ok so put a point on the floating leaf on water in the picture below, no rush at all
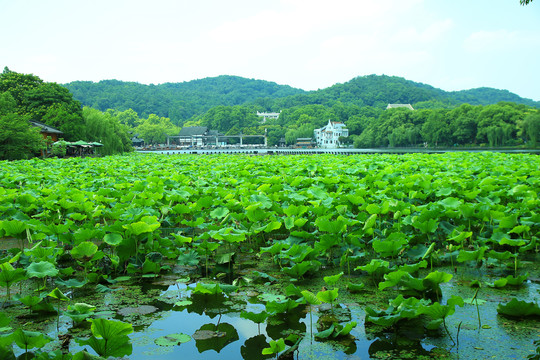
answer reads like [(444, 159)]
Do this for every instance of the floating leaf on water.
[(139, 310), (183, 303), (172, 339)]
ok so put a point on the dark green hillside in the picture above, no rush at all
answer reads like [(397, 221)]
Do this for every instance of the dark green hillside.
[(372, 90), (487, 96), (177, 101), (188, 100)]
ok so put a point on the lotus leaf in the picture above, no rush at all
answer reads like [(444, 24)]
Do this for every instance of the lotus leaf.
[(41, 270), (85, 250), (172, 339), (29, 339), (519, 308)]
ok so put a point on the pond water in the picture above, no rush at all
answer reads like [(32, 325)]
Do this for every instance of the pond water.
[(218, 330), (494, 336)]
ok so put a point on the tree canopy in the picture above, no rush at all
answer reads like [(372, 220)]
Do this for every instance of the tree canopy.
[(25, 98)]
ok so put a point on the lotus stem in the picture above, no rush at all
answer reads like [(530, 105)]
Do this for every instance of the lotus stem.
[(475, 298)]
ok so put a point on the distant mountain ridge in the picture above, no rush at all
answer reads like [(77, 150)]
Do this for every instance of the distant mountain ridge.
[(182, 101)]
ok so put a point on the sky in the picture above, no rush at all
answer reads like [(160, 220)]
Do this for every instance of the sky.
[(307, 44)]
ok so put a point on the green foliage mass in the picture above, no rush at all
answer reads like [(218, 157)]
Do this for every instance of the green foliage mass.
[(25, 98), (177, 101), (229, 104)]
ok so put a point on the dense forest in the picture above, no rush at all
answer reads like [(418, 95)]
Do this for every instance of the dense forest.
[(181, 102), (112, 112), (177, 101), (25, 97)]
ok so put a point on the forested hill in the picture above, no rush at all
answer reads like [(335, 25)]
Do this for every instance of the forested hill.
[(182, 101), (177, 101)]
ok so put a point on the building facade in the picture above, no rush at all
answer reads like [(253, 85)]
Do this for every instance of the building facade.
[(265, 116), (328, 136)]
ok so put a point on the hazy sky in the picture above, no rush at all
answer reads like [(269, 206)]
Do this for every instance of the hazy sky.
[(308, 44)]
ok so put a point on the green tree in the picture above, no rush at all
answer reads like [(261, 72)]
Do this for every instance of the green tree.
[(62, 117), (155, 129), (107, 130), (530, 128), (18, 139)]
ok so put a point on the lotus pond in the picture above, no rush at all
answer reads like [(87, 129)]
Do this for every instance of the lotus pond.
[(258, 257)]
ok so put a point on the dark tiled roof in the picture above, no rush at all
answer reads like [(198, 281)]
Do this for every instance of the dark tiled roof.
[(45, 128), (193, 131)]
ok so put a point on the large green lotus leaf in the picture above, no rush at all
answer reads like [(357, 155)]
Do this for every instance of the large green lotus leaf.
[(373, 209), (438, 311), (318, 193), (29, 301), (450, 203), (328, 296), (253, 347), (428, 226), (345, 330), (255, 213), (298, 270), (85, 250), (214, 337), (272, 225), (294, 210), (257, 318), (332, 280), (4, 320), (519, 308), (281, 307), (276, 346), (77, 216), (172, 339), (84, 234), (374, 266), (288, 222), (460, 236), (219, 213), (412, 268), (116, 346), (14, 228), (392, 279), (41, 269), (58, 295), (113, 239), (263, 200), (139, 227), (475, 255), (190, 258), (370, 222), (71, 283), (331, 226), (500, 255), (355, 288), (150, 267), (209, 289), (326, 333), (10, 275), (30, 339), (207, 246), (508, 222), (437, 277), (82, 308), (390, 246), (109, 329), (512, 242), (310, 297)]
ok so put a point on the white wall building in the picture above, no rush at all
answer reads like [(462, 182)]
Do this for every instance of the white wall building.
[(328, 135), (266, 116)]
